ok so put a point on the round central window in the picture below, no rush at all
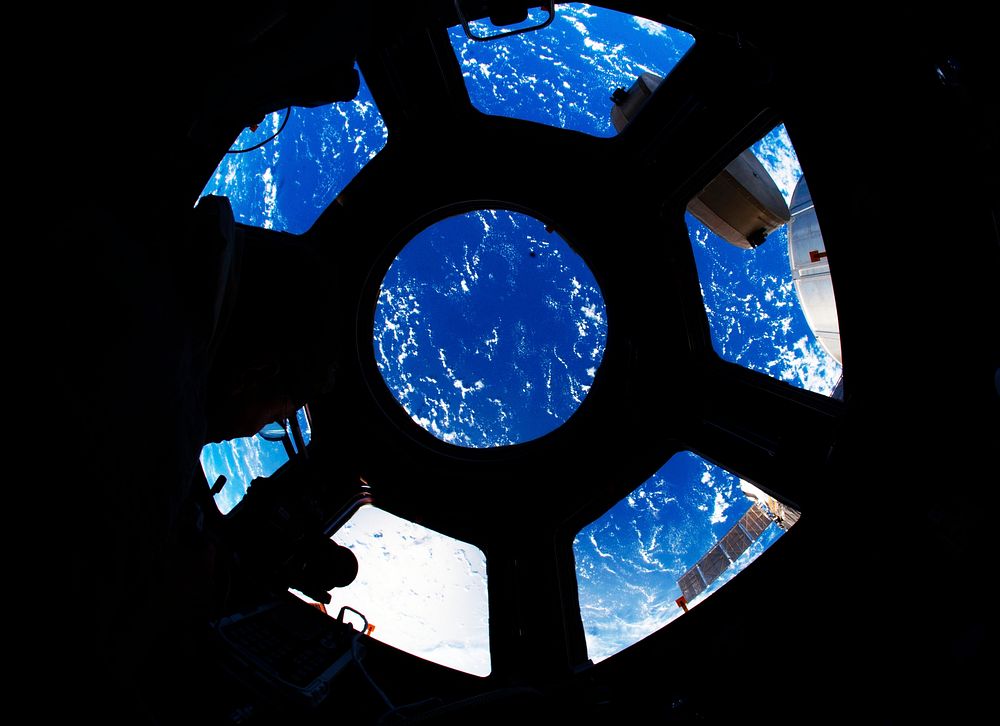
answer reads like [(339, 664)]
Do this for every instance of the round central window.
[(489, 329)]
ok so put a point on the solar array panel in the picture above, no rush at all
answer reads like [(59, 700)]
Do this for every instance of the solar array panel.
[(691, 584), (713, 563), (755, 521), (736, 542), (717, 560)]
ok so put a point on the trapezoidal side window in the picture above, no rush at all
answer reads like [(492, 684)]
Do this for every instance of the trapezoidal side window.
[(563, 75), (669, 544), (289, 181), (244, 459), (419, 590), (763, 268)]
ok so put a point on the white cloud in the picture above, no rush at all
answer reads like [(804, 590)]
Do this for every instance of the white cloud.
[(463, 389), (613, 635), (579, 26), (806, 363), (650, 26), (719, 512), (777, 154), (593, 541), (425, 592), (590, 312), (581, 9), (270, 198)]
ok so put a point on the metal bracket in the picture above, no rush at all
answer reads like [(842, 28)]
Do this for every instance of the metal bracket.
[(549, 7)]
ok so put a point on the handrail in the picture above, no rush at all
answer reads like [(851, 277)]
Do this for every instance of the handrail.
[(549, 7)]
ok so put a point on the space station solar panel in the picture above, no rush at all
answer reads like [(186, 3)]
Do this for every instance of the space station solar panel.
[(735, 543), (713, 564), (717, 560), (691, 584), (755, 521)]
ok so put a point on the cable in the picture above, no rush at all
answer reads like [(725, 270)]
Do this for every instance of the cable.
[(269, 139), (399, 710), (358, 656)]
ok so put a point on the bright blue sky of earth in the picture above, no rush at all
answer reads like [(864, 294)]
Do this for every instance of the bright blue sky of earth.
[(495, 360)]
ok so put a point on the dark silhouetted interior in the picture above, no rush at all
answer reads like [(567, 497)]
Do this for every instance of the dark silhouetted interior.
[(875, 601)]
